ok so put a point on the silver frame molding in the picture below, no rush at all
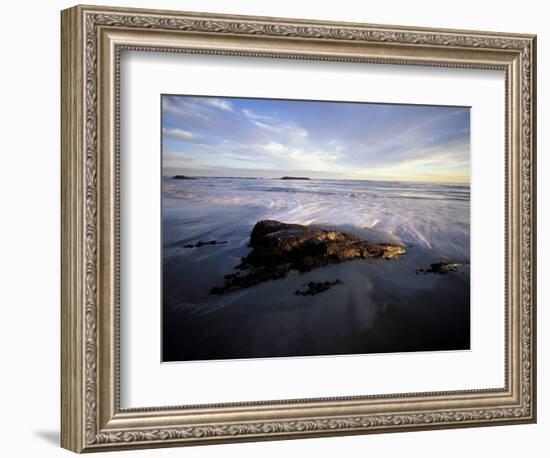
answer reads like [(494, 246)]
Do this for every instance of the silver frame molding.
[(92, 40)]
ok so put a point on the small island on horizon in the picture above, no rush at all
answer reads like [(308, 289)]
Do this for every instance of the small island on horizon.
[(295, 178), (182, 177)]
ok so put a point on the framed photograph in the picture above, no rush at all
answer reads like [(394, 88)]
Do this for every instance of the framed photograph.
[(278, 228)]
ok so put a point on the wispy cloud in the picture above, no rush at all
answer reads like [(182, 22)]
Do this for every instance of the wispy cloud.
[(256, 116), (177, 156), (219, 103), (182, 107), (178, 134), (287, 129), (353, 140)]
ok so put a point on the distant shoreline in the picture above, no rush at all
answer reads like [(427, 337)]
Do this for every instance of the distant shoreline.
[(188, 177)]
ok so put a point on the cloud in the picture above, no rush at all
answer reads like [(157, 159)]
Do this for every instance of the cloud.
[(299, 158), (356, 140), (252, 115), (176, 155), (275, 148), (174, 160), (219, 103), (183, 108), (170, 105), (178, 134), (287, 129), (274, 124)]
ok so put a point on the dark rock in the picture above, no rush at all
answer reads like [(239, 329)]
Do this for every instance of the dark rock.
[(182, 177), (441, 268), (306, 247), (279, 247), (211, 242), (315, 287), (295, 178), (236, 281), (201, 243)]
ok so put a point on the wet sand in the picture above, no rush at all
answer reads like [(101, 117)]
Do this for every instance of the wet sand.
[(381, 306)]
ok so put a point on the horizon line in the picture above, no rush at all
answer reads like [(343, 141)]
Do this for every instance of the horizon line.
[(171, 176)]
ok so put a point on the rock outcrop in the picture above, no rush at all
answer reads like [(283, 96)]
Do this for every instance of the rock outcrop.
[(441, 268), (278, 248), (201, 243), (316, 287)]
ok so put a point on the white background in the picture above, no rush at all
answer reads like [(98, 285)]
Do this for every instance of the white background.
[(145, 76), (29, 181)]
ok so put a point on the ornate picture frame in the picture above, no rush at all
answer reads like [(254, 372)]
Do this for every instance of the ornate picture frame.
[(92, 41)]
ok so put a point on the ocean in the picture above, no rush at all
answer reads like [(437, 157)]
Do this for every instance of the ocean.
[(380, 306)]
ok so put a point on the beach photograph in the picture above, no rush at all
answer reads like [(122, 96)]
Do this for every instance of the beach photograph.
[(303, 228)]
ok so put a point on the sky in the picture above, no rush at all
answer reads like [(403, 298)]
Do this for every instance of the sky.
[(245, 137)]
